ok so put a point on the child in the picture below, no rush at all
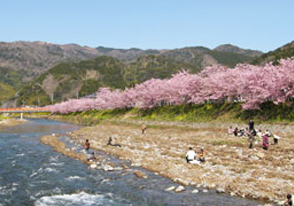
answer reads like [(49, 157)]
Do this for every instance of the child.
[(90, 156), (87, 145), (289, 200), (265, 143), (201, 155)]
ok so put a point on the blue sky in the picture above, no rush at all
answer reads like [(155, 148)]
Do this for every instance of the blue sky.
[(159, 24)]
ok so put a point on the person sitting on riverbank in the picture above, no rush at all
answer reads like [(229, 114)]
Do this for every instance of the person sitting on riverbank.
[(265, 143), (230, 130), (241, 132), (87, 145), (289, 200), (201, 156), (236, 131), (110, 142), (276, 138), (90, 156), (191, 156)]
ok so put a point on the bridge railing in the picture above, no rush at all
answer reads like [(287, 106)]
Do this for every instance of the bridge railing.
[(19, 109)]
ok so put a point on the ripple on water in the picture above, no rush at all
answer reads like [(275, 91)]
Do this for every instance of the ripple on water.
[(57, 163), (49, 169), (78, 199), (71, 178)]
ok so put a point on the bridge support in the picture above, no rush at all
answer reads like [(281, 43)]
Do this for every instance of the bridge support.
[(21, 115)]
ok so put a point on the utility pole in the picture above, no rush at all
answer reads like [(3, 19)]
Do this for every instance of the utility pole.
[(52, 98)]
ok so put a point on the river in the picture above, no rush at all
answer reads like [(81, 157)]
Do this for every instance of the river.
[(33, 174)]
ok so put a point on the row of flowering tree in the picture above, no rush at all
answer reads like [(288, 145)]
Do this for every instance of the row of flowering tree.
[(249, 84)]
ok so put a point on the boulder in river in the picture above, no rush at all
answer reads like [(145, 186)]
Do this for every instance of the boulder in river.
[(195, 191), (93, 166), (107, 168)]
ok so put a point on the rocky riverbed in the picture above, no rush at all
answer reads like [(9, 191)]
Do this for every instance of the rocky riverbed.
[(231, 167)]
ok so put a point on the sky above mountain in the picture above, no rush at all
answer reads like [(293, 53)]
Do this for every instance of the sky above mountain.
[(263, 25)]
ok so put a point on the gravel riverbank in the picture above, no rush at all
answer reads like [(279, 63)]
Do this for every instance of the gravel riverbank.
[(10, 122), (230, 167)]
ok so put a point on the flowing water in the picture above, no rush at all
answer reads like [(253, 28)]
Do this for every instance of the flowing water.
[(34, 174)]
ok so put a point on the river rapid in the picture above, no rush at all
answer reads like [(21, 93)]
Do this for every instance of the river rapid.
[(33, 174)]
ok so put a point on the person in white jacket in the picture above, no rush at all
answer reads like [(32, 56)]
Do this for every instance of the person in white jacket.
[(191, 156)]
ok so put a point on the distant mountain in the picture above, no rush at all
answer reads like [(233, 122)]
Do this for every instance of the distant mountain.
[(154, 66), (72, 80), (36, 57), (126, 54), (286, 51), (201, 57), (10, 82), (234, 49)]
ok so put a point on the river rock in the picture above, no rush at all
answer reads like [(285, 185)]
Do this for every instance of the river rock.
[(170, 188), (220, 190), (125, 166), (136, 165), (180, 189), (205, 191), (107, 168), (93, 166), (181, 181), (140, 174), (195, 191), (260, 155), (254, 158), (118, 168)]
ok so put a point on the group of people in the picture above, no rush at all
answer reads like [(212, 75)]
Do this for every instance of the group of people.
[(90, 154), (251, 133), (193, 158)]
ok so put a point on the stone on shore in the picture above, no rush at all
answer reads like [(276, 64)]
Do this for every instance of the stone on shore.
[(180, 188), (140, 174), (260, 155), (220, 190), (170, 188)]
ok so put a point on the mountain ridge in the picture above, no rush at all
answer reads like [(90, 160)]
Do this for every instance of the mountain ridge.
[(33, 59)]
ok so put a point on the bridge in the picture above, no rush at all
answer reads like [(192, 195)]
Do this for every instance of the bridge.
[(22, 110)]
